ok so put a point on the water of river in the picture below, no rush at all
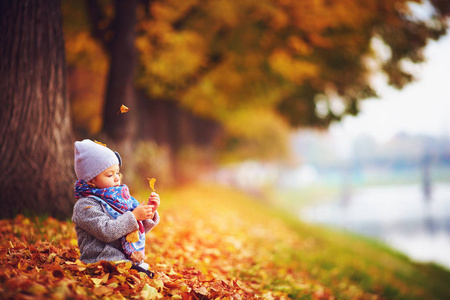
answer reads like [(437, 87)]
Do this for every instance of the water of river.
[(396, 215)]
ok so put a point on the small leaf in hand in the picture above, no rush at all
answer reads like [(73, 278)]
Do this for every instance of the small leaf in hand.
[(123, 109), (151, 182)]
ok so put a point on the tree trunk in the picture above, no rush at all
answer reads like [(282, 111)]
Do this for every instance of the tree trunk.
[(36, 146), (121, 128)]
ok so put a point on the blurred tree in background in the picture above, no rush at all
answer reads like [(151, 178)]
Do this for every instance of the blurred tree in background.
[(231, 78)]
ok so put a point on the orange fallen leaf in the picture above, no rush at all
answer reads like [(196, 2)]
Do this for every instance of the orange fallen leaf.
[(151, 182), (201, 290), (123, 109), (102, 291), (88, 207)]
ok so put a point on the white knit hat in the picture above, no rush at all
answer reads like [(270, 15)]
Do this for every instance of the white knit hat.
[(91, 159)]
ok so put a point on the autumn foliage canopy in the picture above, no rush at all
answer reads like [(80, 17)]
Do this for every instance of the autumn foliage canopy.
[(256, 67)]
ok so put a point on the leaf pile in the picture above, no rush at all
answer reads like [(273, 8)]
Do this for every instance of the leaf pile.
[(34, 269)]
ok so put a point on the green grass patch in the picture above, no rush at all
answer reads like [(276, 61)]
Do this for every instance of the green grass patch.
[(302, 261)]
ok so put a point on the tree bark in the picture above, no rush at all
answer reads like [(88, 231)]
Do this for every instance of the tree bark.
[(120, 83), (120, 129), (36, 147)]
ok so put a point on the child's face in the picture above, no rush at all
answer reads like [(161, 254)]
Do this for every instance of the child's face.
[(108, 178)]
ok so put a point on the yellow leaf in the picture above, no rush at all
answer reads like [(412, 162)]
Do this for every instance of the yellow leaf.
[(151, 182), (36, 289), (116, 297), (80, 263), (97, 281), (73, 242), (120, 278), (149, 292), (105, 278), (184, 288), (172, 272), (123, 109), (100, 143), (158, 284), (133, 237)]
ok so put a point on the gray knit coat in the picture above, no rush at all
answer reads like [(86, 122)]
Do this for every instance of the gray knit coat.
[(99, 234)]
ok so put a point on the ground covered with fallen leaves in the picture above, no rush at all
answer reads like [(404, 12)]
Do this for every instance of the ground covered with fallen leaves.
[(213, 243)]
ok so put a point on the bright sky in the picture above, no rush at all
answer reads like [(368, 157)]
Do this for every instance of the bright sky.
[(422, 107)]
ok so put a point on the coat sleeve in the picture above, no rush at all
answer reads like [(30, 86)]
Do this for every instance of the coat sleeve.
[(150, 224), (89, 215)]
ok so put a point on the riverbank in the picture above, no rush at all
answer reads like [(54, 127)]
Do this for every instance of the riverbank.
[(397, 215)]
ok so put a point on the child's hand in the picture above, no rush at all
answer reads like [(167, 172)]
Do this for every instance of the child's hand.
[(154, 201), (143, 212)]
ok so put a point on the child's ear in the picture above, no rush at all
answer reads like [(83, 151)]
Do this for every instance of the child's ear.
[(91, 184)]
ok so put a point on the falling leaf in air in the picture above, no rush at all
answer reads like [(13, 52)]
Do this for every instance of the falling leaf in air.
[(123, 109), (100, 143), (151, 181)]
